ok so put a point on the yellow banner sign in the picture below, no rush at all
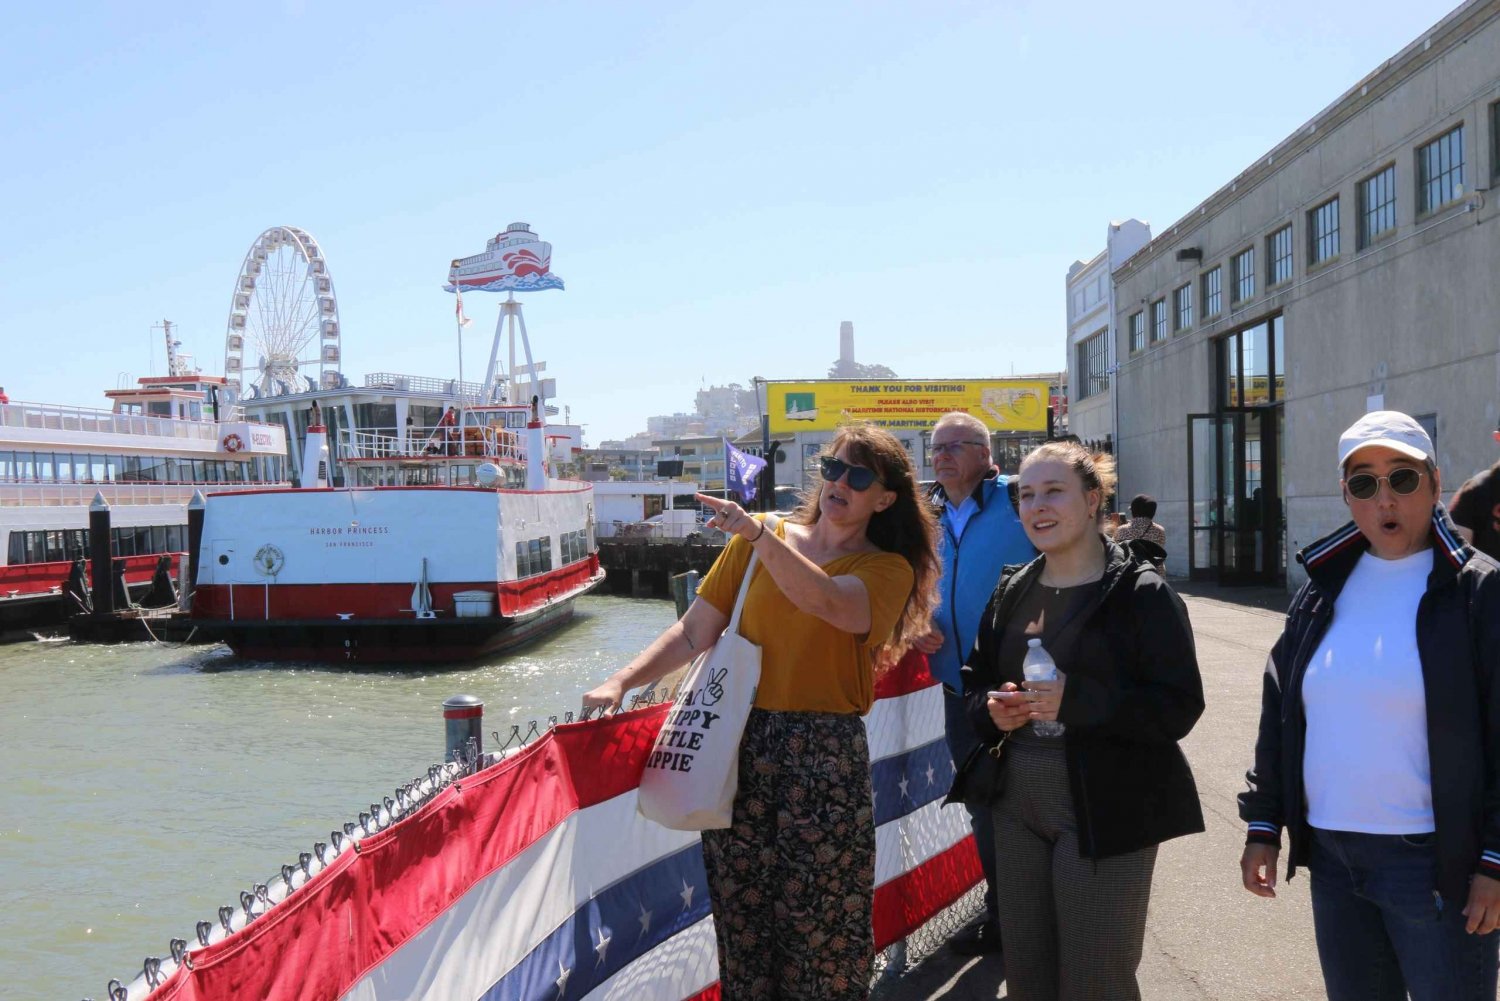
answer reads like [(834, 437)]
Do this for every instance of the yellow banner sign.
[(1003, 404)]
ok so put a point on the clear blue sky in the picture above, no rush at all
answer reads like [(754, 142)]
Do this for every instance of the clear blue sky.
[(722, 184)]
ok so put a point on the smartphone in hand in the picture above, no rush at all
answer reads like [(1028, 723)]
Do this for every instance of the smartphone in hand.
[(1003, 695)]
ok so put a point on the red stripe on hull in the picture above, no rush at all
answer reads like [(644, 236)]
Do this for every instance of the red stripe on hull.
[(296, 602)]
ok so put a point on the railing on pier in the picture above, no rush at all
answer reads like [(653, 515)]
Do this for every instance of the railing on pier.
[(50, 417), (432, 441), (659, 530), (527, 872)]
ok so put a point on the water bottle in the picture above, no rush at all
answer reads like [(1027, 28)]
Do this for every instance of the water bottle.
[(1039, 666)]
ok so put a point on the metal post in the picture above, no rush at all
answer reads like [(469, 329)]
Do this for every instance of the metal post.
[(101, 553), (684, 590), (187, 577), (463, 720)]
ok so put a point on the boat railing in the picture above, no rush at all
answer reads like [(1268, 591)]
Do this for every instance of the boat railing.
[(72, 494), (433, 441), (51, 417), (423, 385)]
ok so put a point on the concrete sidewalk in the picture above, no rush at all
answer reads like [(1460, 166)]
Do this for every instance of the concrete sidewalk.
[(1205, 936)]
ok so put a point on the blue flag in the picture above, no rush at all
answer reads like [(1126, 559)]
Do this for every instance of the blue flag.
[(741, 472)]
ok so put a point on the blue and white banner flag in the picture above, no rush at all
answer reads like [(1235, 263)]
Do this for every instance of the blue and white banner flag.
[(741, 472)]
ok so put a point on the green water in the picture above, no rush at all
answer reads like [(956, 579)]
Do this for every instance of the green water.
[(143, 786)]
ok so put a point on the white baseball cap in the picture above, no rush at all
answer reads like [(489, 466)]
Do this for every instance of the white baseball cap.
[(1390, 429)]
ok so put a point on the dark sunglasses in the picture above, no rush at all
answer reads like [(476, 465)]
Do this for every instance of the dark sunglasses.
[(861, 478), (1363, 486)]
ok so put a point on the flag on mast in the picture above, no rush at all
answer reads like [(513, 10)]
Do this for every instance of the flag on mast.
[(458, 311)]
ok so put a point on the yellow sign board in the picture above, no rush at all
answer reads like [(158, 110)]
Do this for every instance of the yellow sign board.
[(1003, 404)]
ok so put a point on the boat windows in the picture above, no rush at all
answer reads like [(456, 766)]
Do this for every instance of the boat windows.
[(65, 545), (65, 467)]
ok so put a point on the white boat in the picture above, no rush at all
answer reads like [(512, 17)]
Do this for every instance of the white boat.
[(446, 542), (159, 443), (516, 260)]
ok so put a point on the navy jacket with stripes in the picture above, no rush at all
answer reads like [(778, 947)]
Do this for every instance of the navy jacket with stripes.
[(1458, 640)]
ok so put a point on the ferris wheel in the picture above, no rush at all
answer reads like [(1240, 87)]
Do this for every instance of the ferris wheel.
[(283, 318)]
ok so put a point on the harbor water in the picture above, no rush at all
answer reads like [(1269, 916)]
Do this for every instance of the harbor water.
[(143, 786)]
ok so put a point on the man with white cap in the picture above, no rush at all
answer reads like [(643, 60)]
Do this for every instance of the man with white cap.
[(1379, 744)]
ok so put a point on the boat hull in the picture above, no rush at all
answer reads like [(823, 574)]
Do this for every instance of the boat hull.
[(387, 642)]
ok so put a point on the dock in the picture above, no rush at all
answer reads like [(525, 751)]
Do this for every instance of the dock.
[(643, 568)]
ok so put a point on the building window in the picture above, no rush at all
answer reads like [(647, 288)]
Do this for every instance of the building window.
[(1323, 232), (1093, 365), (1182, 308), (1279, 253), (1252, 365), (1440, 171), (1377, 205), (1137, 332), (1244, 275), (1495, 140), (1213, 286), (1158, 320)]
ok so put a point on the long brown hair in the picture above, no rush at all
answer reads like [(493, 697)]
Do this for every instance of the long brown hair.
[(908, 527)]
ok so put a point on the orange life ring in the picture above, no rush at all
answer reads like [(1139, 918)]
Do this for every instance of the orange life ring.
[(233, 442)]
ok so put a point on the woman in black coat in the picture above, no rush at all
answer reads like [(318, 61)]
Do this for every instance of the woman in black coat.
[(1078, 815)]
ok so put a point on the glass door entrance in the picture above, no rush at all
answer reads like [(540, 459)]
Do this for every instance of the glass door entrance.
[(1236, 517), (1234, 497)]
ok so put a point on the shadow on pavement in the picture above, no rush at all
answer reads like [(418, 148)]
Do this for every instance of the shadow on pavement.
[(947, 975)]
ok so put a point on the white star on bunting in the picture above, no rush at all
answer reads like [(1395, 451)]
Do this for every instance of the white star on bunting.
[(645, 920), (902, 785), (600, 949), (686, 895), (562, 980)]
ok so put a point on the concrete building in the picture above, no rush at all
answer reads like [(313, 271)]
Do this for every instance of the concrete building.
[(1091, 334), (634, 464), (1351, 268), (702, 458)]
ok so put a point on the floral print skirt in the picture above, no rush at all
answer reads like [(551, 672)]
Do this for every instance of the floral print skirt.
[(792, 881)]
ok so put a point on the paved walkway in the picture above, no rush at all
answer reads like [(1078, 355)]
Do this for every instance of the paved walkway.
[(1206, 938)]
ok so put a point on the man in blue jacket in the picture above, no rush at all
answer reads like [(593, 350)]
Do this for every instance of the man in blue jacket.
[(980, 534)]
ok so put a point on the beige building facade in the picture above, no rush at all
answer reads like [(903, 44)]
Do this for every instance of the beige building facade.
[(1354, 267)]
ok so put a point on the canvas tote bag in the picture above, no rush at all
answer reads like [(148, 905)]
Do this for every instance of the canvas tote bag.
[(693, 770)]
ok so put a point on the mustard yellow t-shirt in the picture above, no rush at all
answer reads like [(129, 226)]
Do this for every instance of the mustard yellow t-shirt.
[(807, 665)]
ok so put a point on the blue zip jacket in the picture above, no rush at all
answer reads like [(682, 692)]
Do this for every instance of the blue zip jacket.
[(992, 538)]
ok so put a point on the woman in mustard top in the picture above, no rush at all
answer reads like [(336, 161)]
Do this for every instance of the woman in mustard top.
[(848, 580)]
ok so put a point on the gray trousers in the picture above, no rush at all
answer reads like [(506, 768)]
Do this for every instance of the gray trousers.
[(1073, 928)]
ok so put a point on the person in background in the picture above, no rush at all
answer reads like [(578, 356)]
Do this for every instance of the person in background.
[(848, 580), (980, 535), (1476, 509), (1080, 814), (1142, 527), (1379, 743), (3, 397)]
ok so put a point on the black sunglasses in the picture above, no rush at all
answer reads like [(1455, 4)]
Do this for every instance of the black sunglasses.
[(861, 478), (1403, 481)]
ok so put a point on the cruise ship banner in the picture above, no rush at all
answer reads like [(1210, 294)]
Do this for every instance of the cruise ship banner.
[(1003, 404)]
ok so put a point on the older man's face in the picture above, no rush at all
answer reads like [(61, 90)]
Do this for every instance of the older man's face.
[(960, 458)]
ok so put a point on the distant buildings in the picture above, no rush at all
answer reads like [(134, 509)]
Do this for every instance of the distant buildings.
[(1091, 335)]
